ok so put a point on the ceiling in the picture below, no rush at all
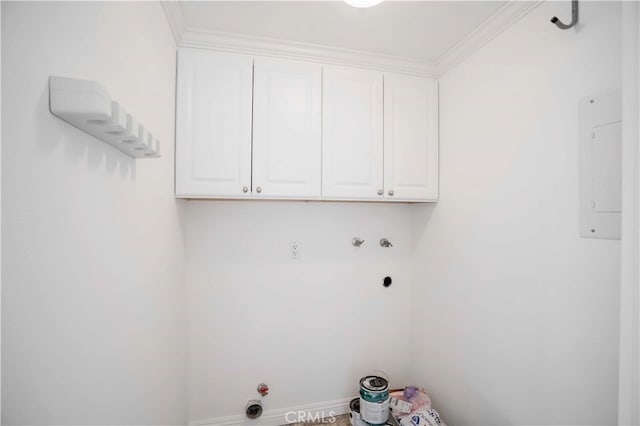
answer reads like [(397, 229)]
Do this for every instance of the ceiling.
[(421, 30)]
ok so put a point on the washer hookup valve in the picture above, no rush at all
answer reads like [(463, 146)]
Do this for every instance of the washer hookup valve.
[(263, 389)]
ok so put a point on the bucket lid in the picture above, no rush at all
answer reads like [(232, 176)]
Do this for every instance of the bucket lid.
[(354, 405), (374, 383)]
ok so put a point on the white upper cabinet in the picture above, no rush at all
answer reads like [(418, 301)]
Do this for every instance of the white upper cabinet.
[(287, 129), (280, 129), (213, 124), (410, 138), (352, 144), (363, 161)]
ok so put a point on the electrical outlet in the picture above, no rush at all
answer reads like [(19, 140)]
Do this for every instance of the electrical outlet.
[(294, 250)]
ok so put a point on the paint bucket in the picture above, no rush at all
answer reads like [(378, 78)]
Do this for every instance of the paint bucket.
[(354, 413), (374, 400)]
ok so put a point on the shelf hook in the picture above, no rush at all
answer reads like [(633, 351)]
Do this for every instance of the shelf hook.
[(574, 17)]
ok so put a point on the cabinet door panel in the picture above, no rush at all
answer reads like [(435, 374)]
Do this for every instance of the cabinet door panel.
[(286, 129), (410, 138), (352, 133), (213, 124)]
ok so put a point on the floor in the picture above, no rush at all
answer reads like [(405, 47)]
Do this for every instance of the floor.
[(339, 421)]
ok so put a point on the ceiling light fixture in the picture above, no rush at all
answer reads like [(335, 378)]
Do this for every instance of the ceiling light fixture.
[(362, 3)]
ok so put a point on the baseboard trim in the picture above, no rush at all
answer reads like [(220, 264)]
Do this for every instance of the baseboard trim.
[(276, 417)]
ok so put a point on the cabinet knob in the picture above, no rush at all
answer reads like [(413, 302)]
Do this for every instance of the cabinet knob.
[(380, 192), (245, 189), (258, 190), (391, 192)]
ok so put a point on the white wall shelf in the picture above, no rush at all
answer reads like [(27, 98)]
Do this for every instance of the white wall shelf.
[(88, 106)]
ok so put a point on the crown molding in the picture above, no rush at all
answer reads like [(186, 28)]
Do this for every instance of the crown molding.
[(186, 36), (266, 46), (175, 17), (493, 26)]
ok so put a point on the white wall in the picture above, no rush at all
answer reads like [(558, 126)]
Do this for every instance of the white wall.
[(515, 317), (309, 328), (93, 303), (629, 400), (519, 316), (0, 226)]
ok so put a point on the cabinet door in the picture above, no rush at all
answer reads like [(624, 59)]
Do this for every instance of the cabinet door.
[(213, 124), (351, 133), (286, 129), (410, 138)]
